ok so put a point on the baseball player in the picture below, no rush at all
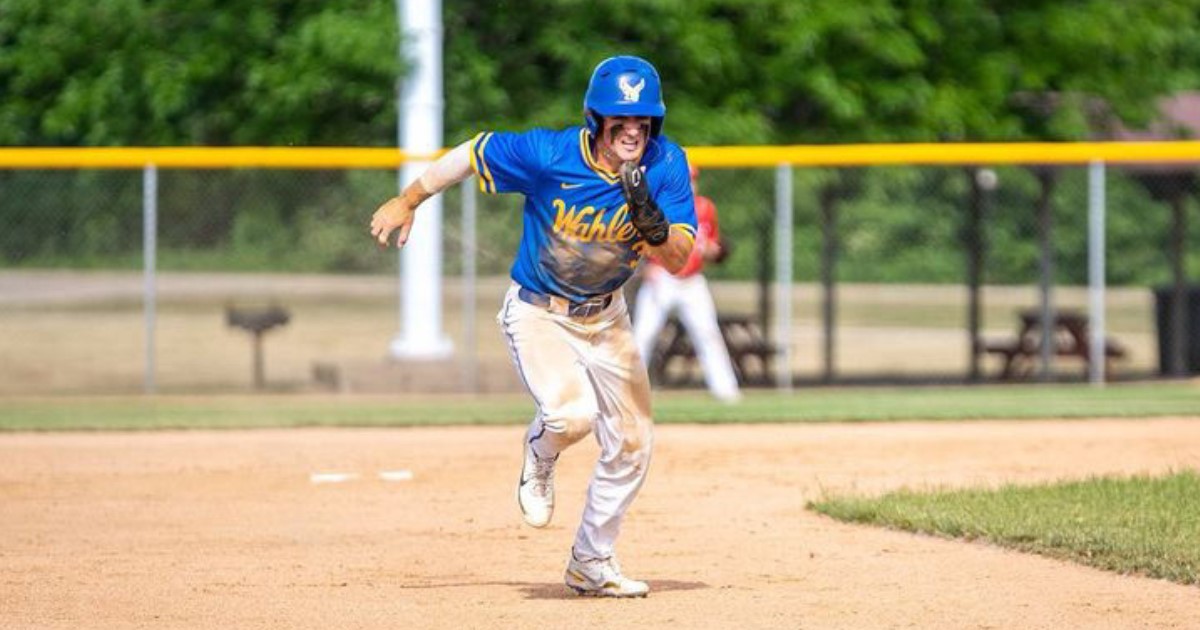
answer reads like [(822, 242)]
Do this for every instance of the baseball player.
[(686, 292), (598, 198)]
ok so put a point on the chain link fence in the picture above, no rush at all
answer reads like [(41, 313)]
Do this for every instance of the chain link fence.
[(883, 259)]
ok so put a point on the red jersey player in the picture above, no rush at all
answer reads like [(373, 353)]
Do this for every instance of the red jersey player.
[(687, 293)]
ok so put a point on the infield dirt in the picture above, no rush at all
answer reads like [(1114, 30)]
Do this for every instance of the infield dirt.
[(227, 530)]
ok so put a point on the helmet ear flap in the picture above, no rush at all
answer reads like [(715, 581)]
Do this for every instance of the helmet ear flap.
[(595, 122)]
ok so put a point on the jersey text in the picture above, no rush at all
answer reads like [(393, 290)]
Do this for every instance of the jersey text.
[(588, 224)]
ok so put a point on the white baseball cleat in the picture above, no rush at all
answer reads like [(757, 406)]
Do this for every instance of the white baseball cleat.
[(535, 493), (602, 577)]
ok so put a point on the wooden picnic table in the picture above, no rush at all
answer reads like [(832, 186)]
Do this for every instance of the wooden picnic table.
[(749, 352), (1071, 338)]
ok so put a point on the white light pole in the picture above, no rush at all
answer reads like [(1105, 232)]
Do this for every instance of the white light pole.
[(419, 119)]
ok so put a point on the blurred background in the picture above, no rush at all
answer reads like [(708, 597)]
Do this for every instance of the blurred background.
[(882, 256)]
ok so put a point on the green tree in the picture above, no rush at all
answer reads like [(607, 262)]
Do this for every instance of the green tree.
[(197, 72), (288, 72), (796, 71)]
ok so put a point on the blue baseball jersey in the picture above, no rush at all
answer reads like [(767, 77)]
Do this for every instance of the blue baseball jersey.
[(578, 241)]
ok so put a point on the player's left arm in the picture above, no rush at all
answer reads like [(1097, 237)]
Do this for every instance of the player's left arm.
[(667, 219), (673, 254), (674, 195)]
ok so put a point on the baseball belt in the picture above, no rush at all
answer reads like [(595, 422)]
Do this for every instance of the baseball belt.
[(562, 306)]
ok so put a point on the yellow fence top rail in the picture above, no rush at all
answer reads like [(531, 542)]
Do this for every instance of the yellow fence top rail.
[(746, 156), (204, 157), (948, 154)]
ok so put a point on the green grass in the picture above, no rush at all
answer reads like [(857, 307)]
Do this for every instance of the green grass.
[(1138, 525), (266, 411), (804, 405), (939, 403)]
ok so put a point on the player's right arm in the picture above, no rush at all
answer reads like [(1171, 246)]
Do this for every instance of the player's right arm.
[(396, 214), (505, 162)]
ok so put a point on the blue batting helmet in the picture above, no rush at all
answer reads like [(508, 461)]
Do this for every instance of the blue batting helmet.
[(624, 86)]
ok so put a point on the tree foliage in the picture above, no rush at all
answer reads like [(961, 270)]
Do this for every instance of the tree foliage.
[(288, 72), (795, 71), (197, 72)]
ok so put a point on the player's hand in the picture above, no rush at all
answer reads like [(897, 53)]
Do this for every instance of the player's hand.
[(394, 215), (645, 215)]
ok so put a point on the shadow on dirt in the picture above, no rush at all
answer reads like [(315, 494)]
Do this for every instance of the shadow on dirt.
[(558, 590)]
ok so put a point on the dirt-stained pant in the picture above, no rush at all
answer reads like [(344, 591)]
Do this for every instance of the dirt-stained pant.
[(585, 375)]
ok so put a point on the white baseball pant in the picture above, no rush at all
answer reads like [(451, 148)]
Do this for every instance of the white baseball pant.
[(690, 297), (585, 375)]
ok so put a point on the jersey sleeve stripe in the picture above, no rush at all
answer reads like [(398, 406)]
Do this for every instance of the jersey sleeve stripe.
[(486, 183), (687, 231)]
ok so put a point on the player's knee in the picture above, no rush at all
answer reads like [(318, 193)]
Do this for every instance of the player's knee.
[(638, 444), (577, 427), (570, 423)]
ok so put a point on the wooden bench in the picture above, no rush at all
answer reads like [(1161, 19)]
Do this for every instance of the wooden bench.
[(1071, 338), (673, 360)]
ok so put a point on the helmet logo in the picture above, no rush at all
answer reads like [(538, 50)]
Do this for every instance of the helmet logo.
[(630, 92)]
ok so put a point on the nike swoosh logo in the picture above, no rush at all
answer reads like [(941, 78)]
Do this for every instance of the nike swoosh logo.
[(568, 186)]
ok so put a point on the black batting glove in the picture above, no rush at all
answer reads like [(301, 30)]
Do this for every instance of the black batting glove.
[(646, 216)]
